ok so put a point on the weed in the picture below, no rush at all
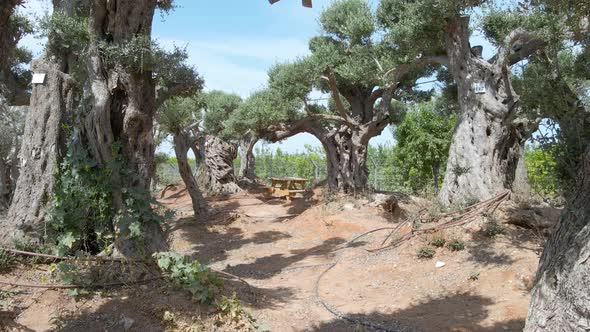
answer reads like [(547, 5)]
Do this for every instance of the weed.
[(231, 308), (474, 276), (5, 300), (190, 275), (7, 261), (492, 228), (59, 317), (438, 241), (456, 245), (426, 252)]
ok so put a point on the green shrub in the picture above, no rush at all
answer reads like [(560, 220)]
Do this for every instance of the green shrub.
[(426, 252), (492, 228), (189, 275), (438, 241), (456, 245)]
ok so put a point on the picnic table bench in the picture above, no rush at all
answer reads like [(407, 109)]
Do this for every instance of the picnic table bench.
[(287, 187)]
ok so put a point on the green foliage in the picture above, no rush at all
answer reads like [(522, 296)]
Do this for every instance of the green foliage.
[(218, 106), (65, 34), (82, 215), (81, 209), (418, 26), (455, 245), (138, 54), (310, 165), (423, 141), (474, 276), (426, 252), (438, 241), (541, 166), (174, 76), (7, 261), (261, 110), (190, 275), (349, 20), (177, 113)]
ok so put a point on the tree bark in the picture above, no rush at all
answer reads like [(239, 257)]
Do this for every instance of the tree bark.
[(488, 142), (122, 113), (561, 297), (4, 185), (41, 152), (181, 147), (346, 155), (247, 159), (217, 172)]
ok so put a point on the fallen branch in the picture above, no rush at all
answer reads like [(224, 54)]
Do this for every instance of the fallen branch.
[(93, 286)]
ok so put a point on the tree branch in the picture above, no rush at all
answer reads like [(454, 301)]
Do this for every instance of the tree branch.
[(331, 78), (518, 45)]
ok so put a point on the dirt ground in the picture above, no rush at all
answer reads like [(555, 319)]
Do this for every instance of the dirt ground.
[(305, 275)]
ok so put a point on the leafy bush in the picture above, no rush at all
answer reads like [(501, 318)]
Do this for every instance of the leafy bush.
[(82, 205), (541, 169), (189, 275), (82, 214), (426, 252), (456, 245)]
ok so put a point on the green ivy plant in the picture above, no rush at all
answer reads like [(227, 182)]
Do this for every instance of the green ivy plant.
[(189, 275)]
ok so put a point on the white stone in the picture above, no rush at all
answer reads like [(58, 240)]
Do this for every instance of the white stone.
[(440, 264)]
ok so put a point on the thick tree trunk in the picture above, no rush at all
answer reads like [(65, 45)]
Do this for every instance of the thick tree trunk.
[(40, 155), (561, 297), (247, 159), (217, 172), (346, 155), (487, 143), (181, 147), (122, 113)]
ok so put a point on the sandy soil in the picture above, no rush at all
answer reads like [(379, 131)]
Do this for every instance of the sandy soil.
[(305, 276)]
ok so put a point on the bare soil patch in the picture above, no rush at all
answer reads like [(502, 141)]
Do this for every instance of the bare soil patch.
[(306, 276)]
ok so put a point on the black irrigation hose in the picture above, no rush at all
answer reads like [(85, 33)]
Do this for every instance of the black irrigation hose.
[(340, 314)]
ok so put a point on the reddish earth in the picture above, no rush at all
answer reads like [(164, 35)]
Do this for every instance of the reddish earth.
[(294, 256)]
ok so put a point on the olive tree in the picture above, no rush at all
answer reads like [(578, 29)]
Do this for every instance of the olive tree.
[(364, 75), (485, 156), (176, 116), (219, 147)]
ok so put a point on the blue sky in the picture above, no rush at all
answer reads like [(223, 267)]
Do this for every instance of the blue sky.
[(233, 43)]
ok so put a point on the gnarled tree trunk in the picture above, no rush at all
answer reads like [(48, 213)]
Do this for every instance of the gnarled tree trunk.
[(488, 143), (122, 112), (346, 156), (41, 151), (181, 147), (561, 297), (217, 171), (247, 159)]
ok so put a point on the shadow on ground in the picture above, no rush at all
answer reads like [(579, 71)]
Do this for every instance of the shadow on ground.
[(456, 312)]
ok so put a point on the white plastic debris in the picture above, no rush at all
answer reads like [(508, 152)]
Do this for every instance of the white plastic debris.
[(440, 264)]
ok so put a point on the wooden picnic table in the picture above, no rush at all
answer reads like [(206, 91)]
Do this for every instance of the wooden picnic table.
[(287, 187)]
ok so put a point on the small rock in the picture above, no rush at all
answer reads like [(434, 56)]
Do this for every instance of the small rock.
[(440, 264), (348, 206), (126, 322)]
